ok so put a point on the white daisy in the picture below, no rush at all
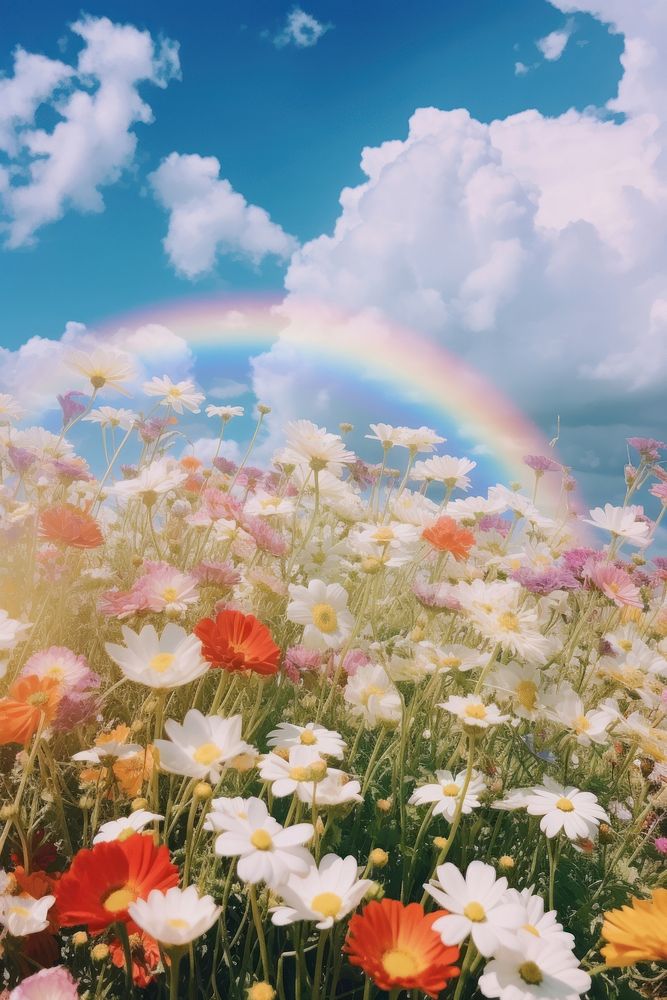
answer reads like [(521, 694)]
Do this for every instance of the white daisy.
[(267, 852), (451, 472), (315, 447), (565, 808), (453, 657), (531, 969), (473, 712), (476, 905), (287, 735), (175, 917), (9, 409), (202, 745), (121, 829), (322, 608), (179, 396), (104, 752), (11, 631), (103, 367), (152, 481), (304, 764), (21, 915), (166, 661), (109, 416), (325, 894), (446, 794), (622, 522), (373, 696), (225, 412), (541, 924)]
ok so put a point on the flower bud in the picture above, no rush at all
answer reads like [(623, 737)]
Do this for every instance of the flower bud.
[(378, 858), (384, 805), (139, 803), (374, 891), (263, 409), (203, 790), (100, 952), (261, 991), (506, 863), (440, 842), (79, 939), (7, 812), (605, 833)]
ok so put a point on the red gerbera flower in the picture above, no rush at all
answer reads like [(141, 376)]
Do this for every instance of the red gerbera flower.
[(446, 536), (101, 883), (396, 946), (234, 641), (71, 526), (28, 700), (145, 953)]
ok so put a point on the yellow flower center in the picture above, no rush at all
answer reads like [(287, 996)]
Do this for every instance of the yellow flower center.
[(531, 929), (20, 911), (119, 899), (626, 645), (383, 535), (299, 773), (509, 621), (161, 662), (453, 662), (170, 594), (308, 737), (177, 923), (326, 903), (451, 790), (476, 710), (400, 963), (582, 724), (38, 698), (125, 834), (531, 973), (565, 805), (174, 391), (526, 693), (475, 912), (325, 618), (206, 753), (368, 693), (56, 672), (268, 502), (261, 840)]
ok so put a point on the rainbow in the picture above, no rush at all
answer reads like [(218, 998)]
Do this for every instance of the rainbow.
[(372, 353)]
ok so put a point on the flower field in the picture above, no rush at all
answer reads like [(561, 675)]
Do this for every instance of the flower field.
[(322, 729)]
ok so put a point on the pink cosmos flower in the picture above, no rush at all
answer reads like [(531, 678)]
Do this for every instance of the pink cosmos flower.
[(659, 490), (71, 406), (648, 448), (48, 984), (660, 845), (299, 661), (616, 584), (62, 664), (265, 537), (494, 522), (541, 464), (222, 574), (435, 595), (166, 588), (547, 580)]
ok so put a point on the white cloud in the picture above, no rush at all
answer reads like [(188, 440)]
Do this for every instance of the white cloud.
[(553, 45), (301, 29), (208, 217), (97, 104), (228, 389), (534, 247), (520, 69), (205, 448)]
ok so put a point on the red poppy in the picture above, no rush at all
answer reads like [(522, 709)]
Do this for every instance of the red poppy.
[(396, 946), (69, 525), (234, 641), (145, 953), (28, 700), (446, 536), (101, 883)]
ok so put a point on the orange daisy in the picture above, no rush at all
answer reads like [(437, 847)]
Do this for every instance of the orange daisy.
[(446, 536), (28, 700), (637, 933), (396, 946), (68, 525), (145, 953), (101, 882), (234, 641)]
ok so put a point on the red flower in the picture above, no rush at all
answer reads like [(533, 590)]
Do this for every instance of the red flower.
[(29, 699), (234, 641), (71, 526), (101, 883), (396, 946), (446, 536), (145, 953)]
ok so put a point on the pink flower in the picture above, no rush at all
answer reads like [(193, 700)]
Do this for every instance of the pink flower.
[(62, 664), (541, 464), (265, 537), (659, 490), (494, 522), (648, 448), (49, 984), (660, 845), (353, 660), (117, 603), (616, 584), (300, 661), (71, 406), (222, 574), (165, 588), (435, 595)]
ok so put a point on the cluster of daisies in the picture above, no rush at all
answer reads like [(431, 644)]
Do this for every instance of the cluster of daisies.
[(322, 728)]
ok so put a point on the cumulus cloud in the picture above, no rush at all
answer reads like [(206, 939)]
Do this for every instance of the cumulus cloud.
[(534, 247), (96, 105), (208, 217), (553, 45), (301, 30)]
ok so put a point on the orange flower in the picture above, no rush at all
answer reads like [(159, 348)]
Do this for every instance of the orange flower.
[(29, 700), (132, 772), (396, 946), (101, 883), (637, 933), (446, 536), (190, 464), (234, 641), (145, 953), (70, 526)]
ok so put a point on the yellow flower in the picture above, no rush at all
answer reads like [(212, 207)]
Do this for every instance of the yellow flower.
[(637, 933)]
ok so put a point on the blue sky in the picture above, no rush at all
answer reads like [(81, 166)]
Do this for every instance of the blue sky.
[(287, 125)]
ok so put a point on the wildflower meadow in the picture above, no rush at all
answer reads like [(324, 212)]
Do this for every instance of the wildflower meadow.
[(322, 729)]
